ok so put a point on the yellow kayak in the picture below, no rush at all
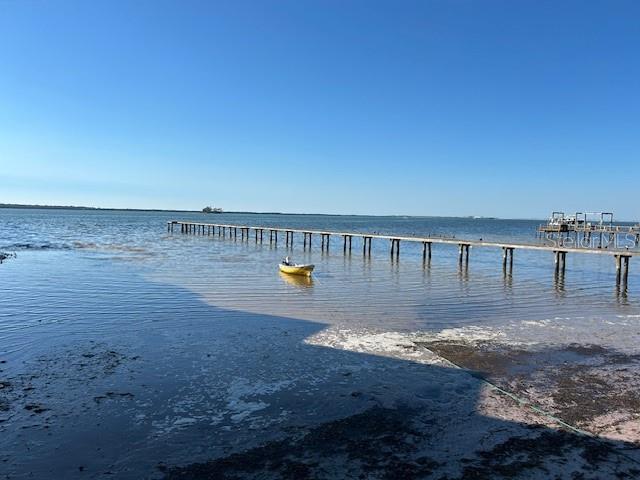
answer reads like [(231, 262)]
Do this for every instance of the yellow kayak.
[(296, 269)]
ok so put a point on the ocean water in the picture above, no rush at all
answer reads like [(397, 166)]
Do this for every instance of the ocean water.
[(57, 248)]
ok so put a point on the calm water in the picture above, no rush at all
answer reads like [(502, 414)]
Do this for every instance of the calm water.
[(96, 256)]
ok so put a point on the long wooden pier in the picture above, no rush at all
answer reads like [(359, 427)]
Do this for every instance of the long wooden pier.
[(621, 257)]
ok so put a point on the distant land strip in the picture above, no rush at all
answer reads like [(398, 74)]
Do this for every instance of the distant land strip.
[(106, 209), (73, 207), (77, 207)]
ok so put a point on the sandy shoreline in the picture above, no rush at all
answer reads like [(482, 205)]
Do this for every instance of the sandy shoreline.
[(294, 400)]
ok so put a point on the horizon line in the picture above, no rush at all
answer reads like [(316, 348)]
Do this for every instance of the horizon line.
[(246, 212)]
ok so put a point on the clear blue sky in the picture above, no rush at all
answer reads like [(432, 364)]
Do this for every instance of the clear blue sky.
[(453, 107)]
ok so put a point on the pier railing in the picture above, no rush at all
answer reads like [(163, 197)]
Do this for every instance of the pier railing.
[(560, 251)]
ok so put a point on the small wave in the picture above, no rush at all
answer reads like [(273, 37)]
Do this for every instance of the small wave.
[(85, 245), (36, 246), (114, 247)]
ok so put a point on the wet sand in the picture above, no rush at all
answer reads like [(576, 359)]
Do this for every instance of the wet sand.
[(587, 386), (257, 396)]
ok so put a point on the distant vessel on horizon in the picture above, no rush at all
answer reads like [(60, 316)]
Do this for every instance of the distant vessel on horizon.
[(211, 210)]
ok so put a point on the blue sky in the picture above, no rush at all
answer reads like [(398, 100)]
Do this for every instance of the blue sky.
[(458, 107)]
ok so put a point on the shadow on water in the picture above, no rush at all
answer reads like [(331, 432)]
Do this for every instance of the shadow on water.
[(172, 387)]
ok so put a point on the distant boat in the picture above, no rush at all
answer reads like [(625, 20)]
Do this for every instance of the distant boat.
[(295, 268), (211, 210)]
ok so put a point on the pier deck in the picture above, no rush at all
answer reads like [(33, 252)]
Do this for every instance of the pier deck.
[(621, 256)]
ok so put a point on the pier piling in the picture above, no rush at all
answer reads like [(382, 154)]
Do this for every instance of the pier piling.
[(622, 271), (463, 253), (395, 248), (507, 260), (324, 241), (560, 261)]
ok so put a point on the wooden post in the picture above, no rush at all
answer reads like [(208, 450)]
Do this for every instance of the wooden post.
[(369, 248), (507, 254), (618, 265), (393, 247), (349, 244), (344, 248), (625, 272)]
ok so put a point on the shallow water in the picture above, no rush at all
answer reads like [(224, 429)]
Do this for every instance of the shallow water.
[(57, 247)]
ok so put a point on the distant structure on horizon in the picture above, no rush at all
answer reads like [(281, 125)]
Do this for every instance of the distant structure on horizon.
[(587, 224), (211, 210)]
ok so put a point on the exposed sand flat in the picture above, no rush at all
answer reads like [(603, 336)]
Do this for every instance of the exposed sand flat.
[(267, 397)]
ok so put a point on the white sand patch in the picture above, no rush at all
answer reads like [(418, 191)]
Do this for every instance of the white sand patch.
[(618, 426), (388, 344), (171, 424), (469, 334), (240, 403)]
